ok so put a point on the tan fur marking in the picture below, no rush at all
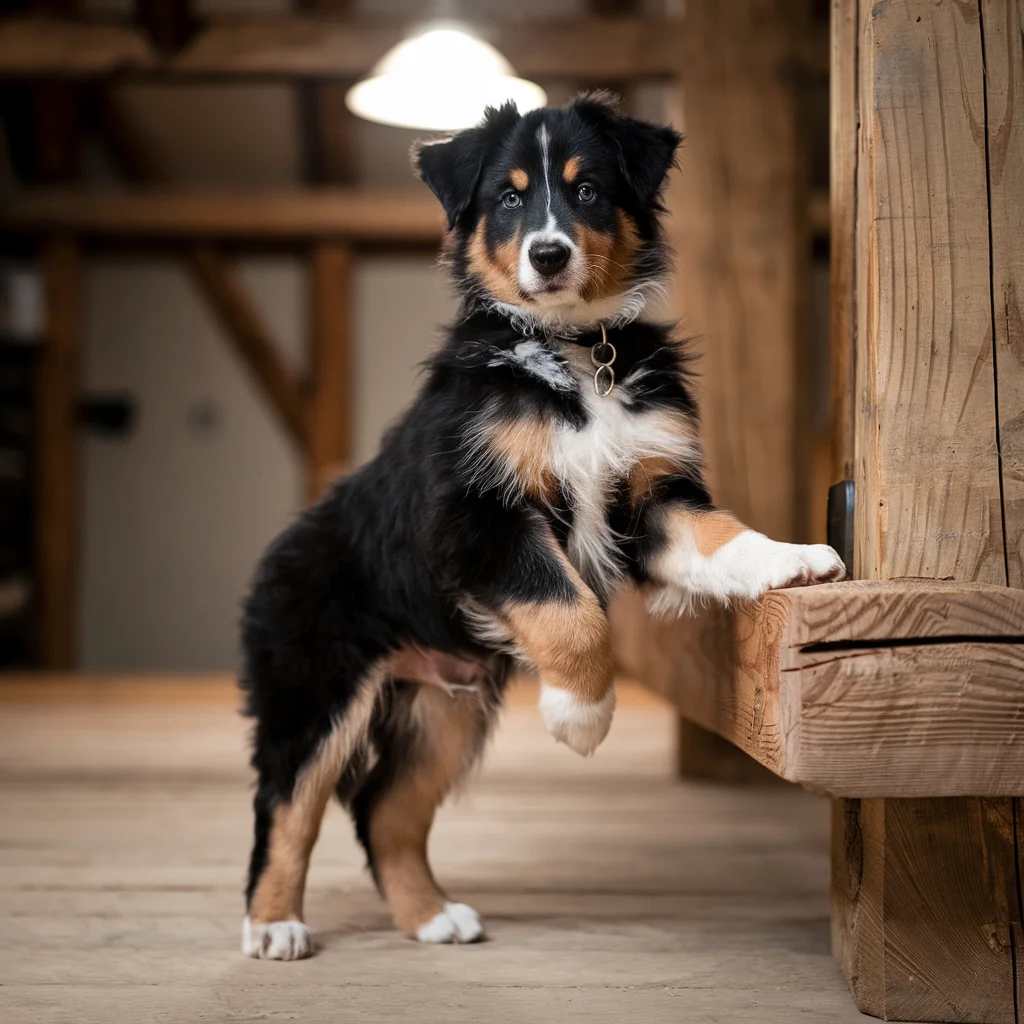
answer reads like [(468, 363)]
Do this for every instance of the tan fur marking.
[(525, 445), (499, 272), (451, 729), (570, 643), (711, 530), (609, 258), (646, 473), (519, 178), (295, 826), (571, 169)]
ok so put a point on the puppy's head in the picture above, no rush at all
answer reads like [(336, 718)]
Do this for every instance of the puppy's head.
[(553, 213)]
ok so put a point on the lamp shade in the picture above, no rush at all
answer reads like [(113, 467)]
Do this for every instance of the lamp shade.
[(440, 80)]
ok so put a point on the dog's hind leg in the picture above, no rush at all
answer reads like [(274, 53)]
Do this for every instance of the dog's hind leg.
[(289, 806), (430, 740)]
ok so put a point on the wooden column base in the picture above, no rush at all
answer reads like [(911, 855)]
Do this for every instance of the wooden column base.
[(704, 756), (926, 907)]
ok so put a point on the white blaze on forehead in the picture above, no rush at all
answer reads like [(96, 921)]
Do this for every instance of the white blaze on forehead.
[(542, 138), (573, 275)]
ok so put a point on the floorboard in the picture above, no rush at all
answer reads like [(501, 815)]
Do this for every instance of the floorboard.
[(611, 891)]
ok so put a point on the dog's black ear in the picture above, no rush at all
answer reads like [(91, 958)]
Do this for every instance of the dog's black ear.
[(451, 167), (647, 152)]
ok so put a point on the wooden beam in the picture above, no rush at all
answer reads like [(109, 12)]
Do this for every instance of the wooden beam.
[(330, 413), (297, 46), (328, 127), (739, 251), (57, 472), (925, 911), (169, 23), (244, 330), (928, 486), (411, 216), (840, 212), (926, 892), (859, 689)]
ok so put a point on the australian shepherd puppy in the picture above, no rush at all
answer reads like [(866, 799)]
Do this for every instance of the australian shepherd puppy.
[(552, 455)]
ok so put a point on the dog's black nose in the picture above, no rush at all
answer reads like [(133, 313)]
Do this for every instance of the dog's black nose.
[(549, 257)]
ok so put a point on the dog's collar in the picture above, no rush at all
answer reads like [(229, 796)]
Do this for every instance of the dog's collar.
[(602, 355)]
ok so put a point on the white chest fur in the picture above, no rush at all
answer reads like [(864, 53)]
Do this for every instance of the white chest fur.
[(591, 463)]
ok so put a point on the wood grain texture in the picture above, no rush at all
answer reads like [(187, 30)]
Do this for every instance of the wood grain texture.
[(844, 688), (924, 902), (365, 214), (928, 494), (330, 414), (739, 250), (1002, 29), (844, 119), (57, 456)]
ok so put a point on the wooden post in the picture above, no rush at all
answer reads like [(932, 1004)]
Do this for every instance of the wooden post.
[(928, 168), (742, 251), (57, 467), (330, 446)]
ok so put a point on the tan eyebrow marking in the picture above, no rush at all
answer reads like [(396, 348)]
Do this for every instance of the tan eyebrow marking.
[(519, 178), (571, 168)]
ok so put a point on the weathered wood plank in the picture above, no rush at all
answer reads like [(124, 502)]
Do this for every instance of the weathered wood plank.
[(358, 214), (928, 501), (1002, 28), (330, 411), (844, 689), (924, 902), (57, 464)]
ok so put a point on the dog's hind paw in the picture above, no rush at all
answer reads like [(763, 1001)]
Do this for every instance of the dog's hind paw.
[(580, 726), (278, 940), (458, 922)]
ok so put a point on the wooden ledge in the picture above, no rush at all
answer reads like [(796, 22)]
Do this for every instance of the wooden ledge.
[(373, 215), (861, 689)]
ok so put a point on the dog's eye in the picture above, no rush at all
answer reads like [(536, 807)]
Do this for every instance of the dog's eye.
[(585, 193), (511, 199)]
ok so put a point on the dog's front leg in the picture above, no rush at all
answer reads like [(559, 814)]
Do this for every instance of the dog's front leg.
[(569, 641), (708, 555)]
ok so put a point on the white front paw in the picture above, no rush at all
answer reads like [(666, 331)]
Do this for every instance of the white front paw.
[(799, 565), (580, 726), (278, 940), (752, 563)]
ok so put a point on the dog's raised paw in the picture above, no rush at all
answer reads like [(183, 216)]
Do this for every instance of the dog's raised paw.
[(278, 940), (457, 923), (577, 724), (803, 564)]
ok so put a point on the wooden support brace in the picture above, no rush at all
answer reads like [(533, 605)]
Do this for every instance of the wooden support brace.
[(228, 301), (330, 414), (246, 333), (57, 464)]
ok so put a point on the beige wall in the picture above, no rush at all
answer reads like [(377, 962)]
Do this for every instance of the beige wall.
[(177, 513)]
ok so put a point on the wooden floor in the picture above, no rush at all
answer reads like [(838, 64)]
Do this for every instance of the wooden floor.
[(611, 892)]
